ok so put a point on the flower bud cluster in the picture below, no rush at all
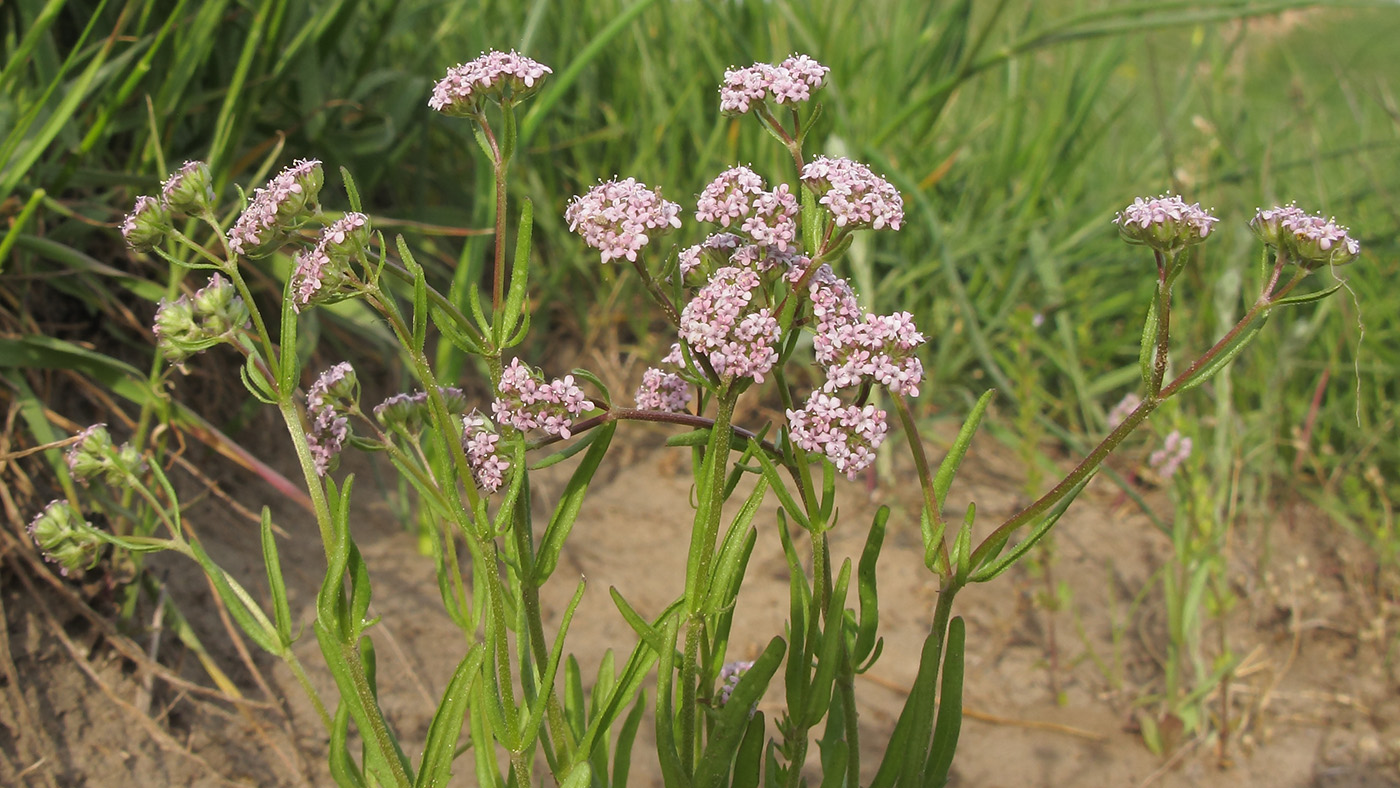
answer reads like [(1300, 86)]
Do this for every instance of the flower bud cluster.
[(278, 208), (482, 446), (856, 197), (789, 82), (618, 218), (188, 191), (664, 389), (1165, 223), (65, 538), (502, 77), (729, 196), (409, 413), (94, 455), (331, 398), (725, 322), (194, 323), (526, 402), (324, 273), (847, 434), (1310, 240)]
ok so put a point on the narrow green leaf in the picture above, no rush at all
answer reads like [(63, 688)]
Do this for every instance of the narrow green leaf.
[(943, 479), (1308, 298), (748, 761), (991, 569), (829, 659), (1147, 350), (866, 588), (438, 753), (945, 732), (562, 522), (1233, 348), (626, 737), (520, 268), (281, 611), (343, 769), (733, 720)]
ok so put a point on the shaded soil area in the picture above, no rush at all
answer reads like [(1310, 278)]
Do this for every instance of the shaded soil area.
[(90, 702)]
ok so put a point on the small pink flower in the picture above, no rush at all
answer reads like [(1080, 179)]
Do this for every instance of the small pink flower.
[(277, 207), (789, 82), (847, 434), (725, 322), (774, 220), (526, 402), (855, 196), (1175, 450), (618, 218), (661, 390), (879, 348), (481, 444), (714, 249), (728, 197), (494, 75), (1165, 223)]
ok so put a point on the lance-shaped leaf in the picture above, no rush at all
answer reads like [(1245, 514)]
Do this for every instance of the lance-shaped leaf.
[(733, 720), (562, 522), (435, 770)]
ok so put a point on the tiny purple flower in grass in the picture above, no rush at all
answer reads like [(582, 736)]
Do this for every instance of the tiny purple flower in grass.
[(277, 208), (1175, 450), (65, 538), (855, 196), (618, 218), (335, 392), (147, 224), (481, 444), (729, 676), (1315, 241), (662, 390), (729, 196), (189, 190), (1166, 223), (526, 402), (847, 434), (879, 348), (498, 76), (323, 274), (1123, 409), (1267, 224), (789, 82), (774, 219), (724, 322)]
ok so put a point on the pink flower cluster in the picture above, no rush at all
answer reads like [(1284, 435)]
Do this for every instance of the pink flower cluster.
[(662, 389), (728, 197), (326, 404), (616, 217), (855, 196), (481, 443), (324, 267), (526, 402), (854, 346), (879, 348), (284, 199), (1175, 450), (724, 322), (1123, 409), (774, 219), (833, 301), (713, 249), (461, 92), (1165, 223), (848, 435), (789, 82)]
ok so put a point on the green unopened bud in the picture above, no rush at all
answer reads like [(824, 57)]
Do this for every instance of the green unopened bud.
[(219, 309), (147, 224), (190, 189), (325, 273), (65, 538), (1267, 224), (94, 455)]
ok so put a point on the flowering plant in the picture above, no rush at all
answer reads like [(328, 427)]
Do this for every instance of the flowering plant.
[(745, 304)]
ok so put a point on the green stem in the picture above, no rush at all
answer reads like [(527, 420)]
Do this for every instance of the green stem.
[(379, 730), (299, 672), (1163, 343), (702, 549), (932, 505)]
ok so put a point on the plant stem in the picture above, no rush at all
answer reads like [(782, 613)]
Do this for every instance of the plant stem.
[(702, 549), (932, 505)]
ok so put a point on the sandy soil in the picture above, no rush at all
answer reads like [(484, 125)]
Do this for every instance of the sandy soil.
[(1315, 705)]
